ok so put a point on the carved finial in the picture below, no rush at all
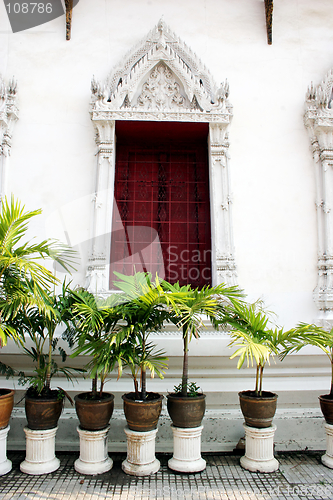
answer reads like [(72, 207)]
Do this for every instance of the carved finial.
[(223, 91), (161, 28), (311, 93), (321, 98), (96, 89), (12, 87), (269, 20)]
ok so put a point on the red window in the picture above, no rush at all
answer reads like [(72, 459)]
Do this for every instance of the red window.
[(161, 213)]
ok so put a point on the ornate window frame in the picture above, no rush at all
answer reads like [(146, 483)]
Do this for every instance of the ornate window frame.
[(318, 120), (191, 97)]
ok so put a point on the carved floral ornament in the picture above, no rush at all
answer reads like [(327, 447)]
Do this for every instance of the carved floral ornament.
[(318, 119), (161, 79)]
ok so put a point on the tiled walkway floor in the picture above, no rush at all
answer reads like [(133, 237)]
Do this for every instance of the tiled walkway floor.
[(301, 476)]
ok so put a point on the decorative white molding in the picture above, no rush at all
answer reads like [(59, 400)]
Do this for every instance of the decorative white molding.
[(318, 119), (161, 79), (8, 118)]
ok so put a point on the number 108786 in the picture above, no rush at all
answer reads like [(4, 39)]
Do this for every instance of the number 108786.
[(29, 8)]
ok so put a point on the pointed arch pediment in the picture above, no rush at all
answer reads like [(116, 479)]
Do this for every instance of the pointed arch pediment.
[(184, 83)]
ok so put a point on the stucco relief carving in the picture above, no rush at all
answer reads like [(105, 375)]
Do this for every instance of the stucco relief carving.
[(161, 90), (8, 118), (161, 79), (8, 114), (318, 119)]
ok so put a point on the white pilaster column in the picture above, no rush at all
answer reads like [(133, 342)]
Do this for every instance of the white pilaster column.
[(94, 458), (8, 118), (259, 454), (187, 450), (223, 263), (40, 452), (5, 464), (327, 459), (141, 460), (98, 266)]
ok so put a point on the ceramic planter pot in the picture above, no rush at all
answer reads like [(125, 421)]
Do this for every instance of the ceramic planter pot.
[(186, 412), (141, 415), (6, 406), (326, 405), (42, 412), (94, 414), (258, 411)]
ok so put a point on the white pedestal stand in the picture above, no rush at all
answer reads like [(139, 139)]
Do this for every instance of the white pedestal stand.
[(187, 450), (327, 459), (259, 455), (140, 459), (40, 452), (5, 464), (94, 458)]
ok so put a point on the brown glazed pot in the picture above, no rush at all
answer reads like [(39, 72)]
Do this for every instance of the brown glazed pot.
[(186, 412), (326, 406), (258, 411), (141, 415), (6, 406), (43, 413), (94, 414)]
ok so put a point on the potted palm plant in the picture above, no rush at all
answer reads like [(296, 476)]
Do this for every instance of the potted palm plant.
[(24, 281), (256, 342), (316, 336), (186, 406), (144, 310), (43, 404), (310, 334), (94, 326)]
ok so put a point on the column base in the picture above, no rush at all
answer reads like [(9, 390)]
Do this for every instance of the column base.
[(40, 452), (141, 460), (327, 459), (5, 464), (94, 458), (142, 469), (259, 456), (187, 450)]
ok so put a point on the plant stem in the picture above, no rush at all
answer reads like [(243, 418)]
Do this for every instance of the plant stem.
[(331, 359), (49, 360), (94, 384), (257, 380), (185, 362), (260, 377), (143, 372)]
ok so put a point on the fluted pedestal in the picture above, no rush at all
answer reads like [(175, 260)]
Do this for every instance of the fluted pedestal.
[(5, 464), (259, 455), (40, 452), (187, 450), (141, 460), (327, 459), (94, 458)]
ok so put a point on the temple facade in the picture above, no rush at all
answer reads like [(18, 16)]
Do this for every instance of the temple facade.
[(193, 140)]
